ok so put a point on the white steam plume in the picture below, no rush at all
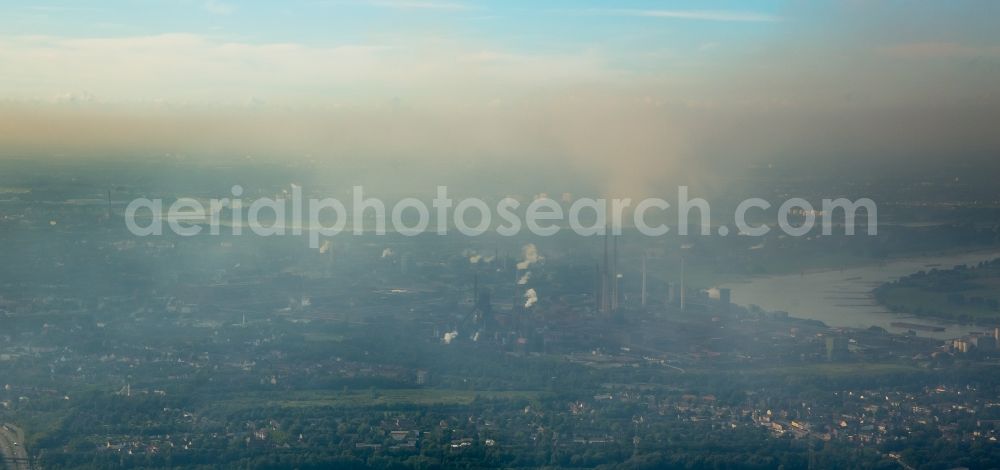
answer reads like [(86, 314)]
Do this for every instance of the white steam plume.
[(529, 256), (531, 297)]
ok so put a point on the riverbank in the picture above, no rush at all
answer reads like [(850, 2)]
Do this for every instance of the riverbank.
[(843, 297), (969, 294)]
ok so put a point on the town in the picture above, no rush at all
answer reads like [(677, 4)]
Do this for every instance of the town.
[(431, 350)]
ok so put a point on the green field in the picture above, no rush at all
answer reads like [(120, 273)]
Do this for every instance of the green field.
[(965, 295), (935, 304), (836, 370), (370, 399)]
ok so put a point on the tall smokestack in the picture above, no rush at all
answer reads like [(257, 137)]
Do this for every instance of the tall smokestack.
[(683, 286), (516, 300), (643, 297), (614, 274), (598, 285), (475, 290), (605, 281)]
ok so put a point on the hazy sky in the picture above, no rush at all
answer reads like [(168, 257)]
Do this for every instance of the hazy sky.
[(640, 88)]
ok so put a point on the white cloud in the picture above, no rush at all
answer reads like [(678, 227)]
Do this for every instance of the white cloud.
[(182, 66), (701, 15), (418, 5), (217, 7)]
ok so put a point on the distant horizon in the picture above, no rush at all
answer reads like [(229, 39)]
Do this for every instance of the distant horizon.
[(632, 96)]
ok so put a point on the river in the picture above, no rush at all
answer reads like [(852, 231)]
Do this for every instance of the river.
[(842, 297)]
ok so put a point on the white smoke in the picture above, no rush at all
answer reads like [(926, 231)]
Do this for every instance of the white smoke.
[(387, 253), (529, 256), (475, 257), (524, 279), (531, 297), (449, 336), (475, 337), (325, 247)]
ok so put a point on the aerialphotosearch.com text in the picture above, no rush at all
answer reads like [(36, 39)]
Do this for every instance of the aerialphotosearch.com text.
[(543, 216)]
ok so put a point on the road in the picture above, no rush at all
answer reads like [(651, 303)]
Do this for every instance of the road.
[(12, 447)]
